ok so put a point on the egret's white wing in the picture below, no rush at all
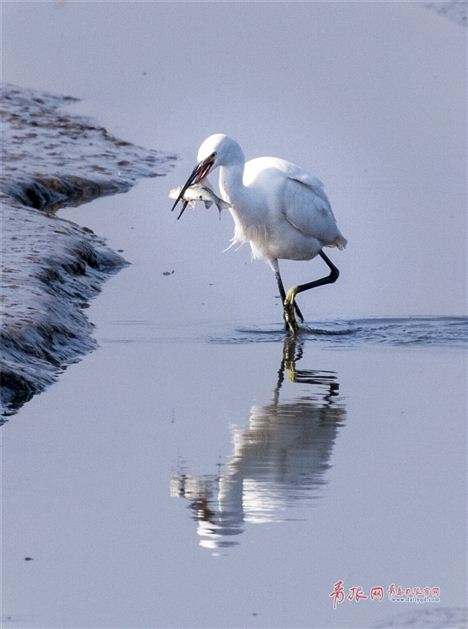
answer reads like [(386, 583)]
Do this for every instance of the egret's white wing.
[(298, 195), (307, 208)]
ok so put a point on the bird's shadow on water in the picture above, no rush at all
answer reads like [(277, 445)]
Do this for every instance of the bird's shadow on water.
[(279, 462)]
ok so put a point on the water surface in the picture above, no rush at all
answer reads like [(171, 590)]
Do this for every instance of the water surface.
[(246, 477), (420, 331)]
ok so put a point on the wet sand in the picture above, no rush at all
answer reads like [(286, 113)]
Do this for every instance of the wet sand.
[(52, 267)]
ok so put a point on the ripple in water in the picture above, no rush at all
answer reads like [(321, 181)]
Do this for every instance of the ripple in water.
[(397, 331)]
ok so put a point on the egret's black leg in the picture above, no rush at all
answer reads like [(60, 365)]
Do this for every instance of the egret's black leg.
[(298, 312), (283, 297), (290, 298), (280, 285), (329, 279)]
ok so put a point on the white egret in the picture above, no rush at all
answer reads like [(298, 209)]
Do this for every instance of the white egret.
[(280, 209)]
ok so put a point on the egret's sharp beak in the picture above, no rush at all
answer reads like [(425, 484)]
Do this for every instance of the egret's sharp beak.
[(183, 209), (200, 171)]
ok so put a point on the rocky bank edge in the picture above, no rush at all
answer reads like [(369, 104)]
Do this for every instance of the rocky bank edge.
[(52, 267)]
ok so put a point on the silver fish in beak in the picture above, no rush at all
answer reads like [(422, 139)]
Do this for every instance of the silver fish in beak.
[(200, 171), (197, 192)]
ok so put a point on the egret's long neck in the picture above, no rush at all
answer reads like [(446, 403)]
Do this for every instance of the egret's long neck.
[(231, 182), (242, 206)]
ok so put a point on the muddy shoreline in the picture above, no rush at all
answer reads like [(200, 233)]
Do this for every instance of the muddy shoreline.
[(52, 267)]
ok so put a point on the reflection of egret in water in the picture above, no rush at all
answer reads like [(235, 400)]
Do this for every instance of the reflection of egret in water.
[(279, 461)]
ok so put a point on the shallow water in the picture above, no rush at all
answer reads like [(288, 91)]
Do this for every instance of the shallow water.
[(245, 479), (423, 332), (396, 331)]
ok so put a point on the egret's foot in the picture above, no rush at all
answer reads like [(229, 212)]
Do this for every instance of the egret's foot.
[(289, 308), (290, 323), (287, 327)]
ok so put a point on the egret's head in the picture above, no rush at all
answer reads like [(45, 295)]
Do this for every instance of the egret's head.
[(221, 150), (217, 150)]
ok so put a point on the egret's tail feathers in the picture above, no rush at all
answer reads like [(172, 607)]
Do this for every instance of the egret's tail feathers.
[(340, 242)]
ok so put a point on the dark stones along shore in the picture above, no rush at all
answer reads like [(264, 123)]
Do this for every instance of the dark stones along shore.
[(51, 267)]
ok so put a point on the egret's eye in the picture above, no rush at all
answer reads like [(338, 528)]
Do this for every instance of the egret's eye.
[(213, 154)]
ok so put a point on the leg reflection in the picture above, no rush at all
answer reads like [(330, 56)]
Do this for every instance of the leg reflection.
[(279, 462)]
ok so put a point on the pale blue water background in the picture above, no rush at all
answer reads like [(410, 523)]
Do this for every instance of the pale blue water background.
[(193, 426)]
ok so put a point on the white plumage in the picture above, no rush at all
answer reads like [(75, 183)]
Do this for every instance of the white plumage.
[(279, 208)]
